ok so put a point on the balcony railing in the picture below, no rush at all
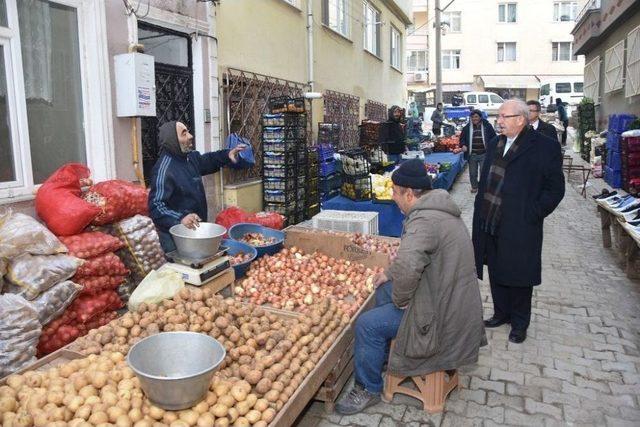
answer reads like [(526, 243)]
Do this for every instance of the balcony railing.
[(591, 5)]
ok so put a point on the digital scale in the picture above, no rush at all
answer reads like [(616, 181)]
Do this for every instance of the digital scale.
[(198, 272)]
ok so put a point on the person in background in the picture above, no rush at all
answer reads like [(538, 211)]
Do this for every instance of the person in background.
[(428, 300), (562, 115), (473, 140), (396, 144), (547, 129), (520, 185), (177, 193), (437, 117)]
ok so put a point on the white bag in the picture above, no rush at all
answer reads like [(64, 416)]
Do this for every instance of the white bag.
[(157, 286)]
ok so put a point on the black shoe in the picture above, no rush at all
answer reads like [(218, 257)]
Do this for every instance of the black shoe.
[(357, 400), (605, 193), (494, 322), (517, 335)]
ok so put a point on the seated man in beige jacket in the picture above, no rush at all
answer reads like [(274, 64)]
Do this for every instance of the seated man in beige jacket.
[(428, 300)]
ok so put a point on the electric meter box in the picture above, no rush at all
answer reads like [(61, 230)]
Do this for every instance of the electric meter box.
[(135, 85)]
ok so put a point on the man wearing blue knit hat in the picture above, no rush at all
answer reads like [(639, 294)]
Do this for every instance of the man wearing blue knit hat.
[(428, 300)]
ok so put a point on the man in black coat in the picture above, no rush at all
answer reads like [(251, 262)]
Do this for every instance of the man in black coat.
[(547, 129), (473, 140), (521, 183)]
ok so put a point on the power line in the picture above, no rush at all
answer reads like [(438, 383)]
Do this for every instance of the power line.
[(430, 20)]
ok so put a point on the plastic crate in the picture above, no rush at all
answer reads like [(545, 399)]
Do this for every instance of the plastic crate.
[(355, 162), (613, 178), (281, 196), (372, 132), (325, 152), (283, 145), (278, 172), (313, 155), (286, 159), (312, 210), (284, 184), (347, 221), (357, 188), (331, 182), (631, 144), (285, 119), (614, 160), (281, 208), (620, 122), (613, 141), (284, 132), (279, 104), (327, 168), (329, 195)]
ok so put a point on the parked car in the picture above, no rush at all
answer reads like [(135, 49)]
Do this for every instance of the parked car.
[(569, 89), (485, 101)]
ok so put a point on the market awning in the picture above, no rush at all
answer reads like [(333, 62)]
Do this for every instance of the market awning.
[(510, 81)]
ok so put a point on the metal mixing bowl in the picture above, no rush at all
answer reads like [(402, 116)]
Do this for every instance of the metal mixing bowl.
[(175, 368), (200, 243)]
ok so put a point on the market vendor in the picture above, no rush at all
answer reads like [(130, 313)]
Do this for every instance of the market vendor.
[(395, 145), (176, 191), (428, 300)]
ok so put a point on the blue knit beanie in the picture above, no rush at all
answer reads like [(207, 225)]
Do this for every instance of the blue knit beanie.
[(412, 174)]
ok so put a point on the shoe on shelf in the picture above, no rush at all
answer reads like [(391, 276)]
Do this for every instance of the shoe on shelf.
[(494, 322), (623, 203), (604, 194), (631, 216), (633, 206), (517, 336), (357, 400)]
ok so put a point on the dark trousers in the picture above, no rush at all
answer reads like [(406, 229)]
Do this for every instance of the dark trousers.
[(475, 168), (513, 303), (564, 132)]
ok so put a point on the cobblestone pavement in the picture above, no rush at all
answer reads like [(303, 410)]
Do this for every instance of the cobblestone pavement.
[(580, 364)]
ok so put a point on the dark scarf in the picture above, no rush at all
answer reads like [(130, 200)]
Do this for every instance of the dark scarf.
[(168, 139), (492, 201)]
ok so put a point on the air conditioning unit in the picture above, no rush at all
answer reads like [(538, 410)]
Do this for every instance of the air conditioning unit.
[(419, 77)]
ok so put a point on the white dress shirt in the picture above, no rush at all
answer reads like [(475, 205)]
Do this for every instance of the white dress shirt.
[(535, 124), (507, 145)]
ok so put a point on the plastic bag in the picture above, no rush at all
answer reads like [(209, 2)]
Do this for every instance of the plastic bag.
[(157, 286), (51, 303), (91, 244), (59, 202), (94, 284), (142, 252), (246, 159), (268, 219), (108, 264), (232, 216), (20, 233), (30, 275), (117, 200), (19, 333)]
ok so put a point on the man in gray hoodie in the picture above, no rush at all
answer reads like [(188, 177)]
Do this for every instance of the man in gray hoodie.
[(428, 300)]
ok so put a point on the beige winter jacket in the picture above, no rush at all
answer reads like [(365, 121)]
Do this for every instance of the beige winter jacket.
[(434, 277)]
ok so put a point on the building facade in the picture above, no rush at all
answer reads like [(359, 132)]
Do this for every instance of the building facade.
[(507, 47), (417, 57), (607, 33)]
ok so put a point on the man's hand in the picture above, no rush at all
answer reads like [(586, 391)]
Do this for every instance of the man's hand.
[(379, 279), (191, 221), (464, 148), (233, 153)]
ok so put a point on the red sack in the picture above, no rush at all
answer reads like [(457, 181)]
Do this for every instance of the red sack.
[(108, 264), (117, 200), (86, 307), (91, 244), (95, 284), (100, 320), (232, 216), (268, 219), (59, 202), (53, 339)]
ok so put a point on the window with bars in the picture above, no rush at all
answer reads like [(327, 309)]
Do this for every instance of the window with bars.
[(335, 15), (507, 12), (396, 48), (371, 28), (506, 51), (343, 109), (417, 60), (451, 59), (562, 51), (564, 11)]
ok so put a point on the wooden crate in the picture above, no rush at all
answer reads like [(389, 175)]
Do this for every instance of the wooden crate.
[(52, 360)]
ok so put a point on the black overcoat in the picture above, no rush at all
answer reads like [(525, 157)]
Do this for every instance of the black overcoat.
[(533, 187)]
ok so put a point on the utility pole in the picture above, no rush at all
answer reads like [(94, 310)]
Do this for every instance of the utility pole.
[(438, 53)]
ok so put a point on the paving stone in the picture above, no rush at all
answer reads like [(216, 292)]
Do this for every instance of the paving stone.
[(557, 373), (544, 382), (599, 355), (516, 418), (495, 399), (579, 391), (418, 415), (596, 385), (394, 410), (362, 419), (483, 411), (453, 420), (565, 365), (455, 405), (533, 407), (524, 391), (619, 366), (500, 375), (552, 397), (619, 422), (478, 396), (497, 386)]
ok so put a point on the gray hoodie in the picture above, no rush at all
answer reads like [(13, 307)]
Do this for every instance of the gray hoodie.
[(434, 277)]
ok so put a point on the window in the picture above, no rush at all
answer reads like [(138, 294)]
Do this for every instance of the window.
[(472, 99), (562, 51), (371, 29), (451, 59), (396, 48), (545, 89), (614, 67), (592, 80), (294, 3), (563, 87), (335, 15), (417, 60), (483, 99), (44, 73), (632, 82), (577, 87), (454, 20), (507, 12), (506, 52), (564, 11), (496, 99)]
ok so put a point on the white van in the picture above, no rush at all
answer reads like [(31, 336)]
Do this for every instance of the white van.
[(485, 101), (569, 89)]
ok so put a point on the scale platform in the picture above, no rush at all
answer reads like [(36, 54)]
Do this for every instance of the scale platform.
[(198, 272)]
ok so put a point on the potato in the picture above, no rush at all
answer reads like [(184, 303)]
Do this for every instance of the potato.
[(241, 422), (135, 414), (242, 407), (205, 420), (98, 418), (179, 423), (268, 415), (15, 381), (238, 392), (222, 389), (83, 412), (263, 386), (221, 422), (219, 410), (227, 400), (261, 424), (189, 416), (156, 413), (143, 423), (233, 414), (7, 404), (261, 405), (211, 399), (272, 395), (201, 407)]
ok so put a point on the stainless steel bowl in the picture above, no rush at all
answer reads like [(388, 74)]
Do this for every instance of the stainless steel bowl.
[(175, 368), (200, 243)]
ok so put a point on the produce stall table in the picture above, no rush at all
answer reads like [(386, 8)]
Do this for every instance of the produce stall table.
[(445, 180), (626, 244), (389, 216)]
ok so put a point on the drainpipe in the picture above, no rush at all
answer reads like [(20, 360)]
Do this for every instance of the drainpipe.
[(134, 46), (310, 43)]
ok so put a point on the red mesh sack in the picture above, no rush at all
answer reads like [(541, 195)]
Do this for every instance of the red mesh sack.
[(268, 219), (232, 216), (95, 284), (53, 339), (108, 264), (91, 244), (59, 202), (117, 200), (100, 320), (86, 307)]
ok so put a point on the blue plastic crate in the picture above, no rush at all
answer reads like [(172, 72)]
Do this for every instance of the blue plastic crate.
[(620, 122), (330, 182), (327, 168), (325, 152), (613, 141), (614, 160), (613, 178)]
